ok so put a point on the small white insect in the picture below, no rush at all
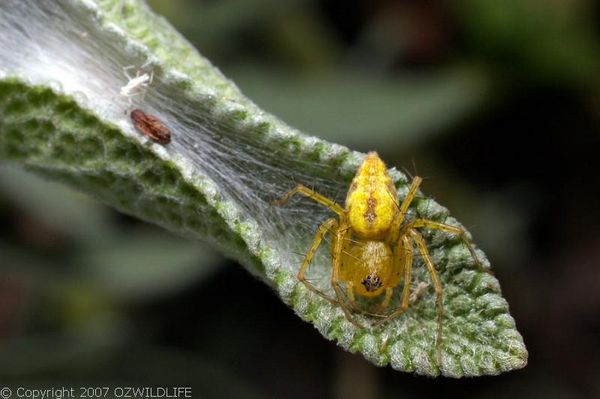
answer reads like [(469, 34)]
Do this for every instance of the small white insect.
[(137, 85), (421, 286)]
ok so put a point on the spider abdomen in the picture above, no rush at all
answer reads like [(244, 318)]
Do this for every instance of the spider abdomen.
[(369, 266)]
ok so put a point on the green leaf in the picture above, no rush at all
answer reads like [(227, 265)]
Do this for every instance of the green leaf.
[(133, 266), (61, 116), (394, 113), (72, 213), (146, 264)]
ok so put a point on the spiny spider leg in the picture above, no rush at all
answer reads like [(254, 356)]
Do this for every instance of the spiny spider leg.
[(407, 268), (307, 192), (437, 285), (403, 208), (323, 230), (461, 233), (337, 262)]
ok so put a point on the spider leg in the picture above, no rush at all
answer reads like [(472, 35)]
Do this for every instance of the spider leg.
[(127, 68), (351, 298), (386, 299), (337, 263), (143, 90), (323, 229), (461, 233), (439, 299), (307, 192), (403, 208), (408, 260), (145, 64), (412, 193)]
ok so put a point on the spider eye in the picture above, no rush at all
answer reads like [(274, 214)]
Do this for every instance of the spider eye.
[(371, 283)]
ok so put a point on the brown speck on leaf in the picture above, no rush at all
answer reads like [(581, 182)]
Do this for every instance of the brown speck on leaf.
[(151, 126)]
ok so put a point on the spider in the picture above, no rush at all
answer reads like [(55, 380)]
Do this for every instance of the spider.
[(137, 84), (372, 244)]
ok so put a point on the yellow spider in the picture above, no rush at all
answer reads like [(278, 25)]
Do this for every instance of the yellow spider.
[(372, 244)]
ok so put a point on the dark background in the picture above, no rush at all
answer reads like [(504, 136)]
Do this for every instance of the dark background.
[(497, 104)]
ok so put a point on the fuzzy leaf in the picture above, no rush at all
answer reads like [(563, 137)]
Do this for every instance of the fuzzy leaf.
[(62, 116)]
